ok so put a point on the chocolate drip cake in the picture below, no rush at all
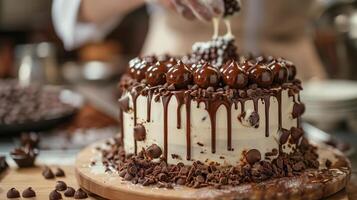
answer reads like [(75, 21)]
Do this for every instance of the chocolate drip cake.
[(239, 120)]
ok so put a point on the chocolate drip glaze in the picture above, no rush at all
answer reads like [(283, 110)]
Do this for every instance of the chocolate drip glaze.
[(180, 101), (135, 94), (278, 97), (149, 99), (267, 105), (229, 127), (188, 125), (121, 122), (165, 103)]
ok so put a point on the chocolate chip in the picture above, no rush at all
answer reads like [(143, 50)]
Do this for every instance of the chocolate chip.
[(254, 119), (139, 132), (124, 103), (69, 192), (253, 156), (298, 110), (54, 195), (80, 194), (28, 193), (60, 172), (296, 134), (61, 186), (13, 193), (47, 173), (153, 151), (284, 136)]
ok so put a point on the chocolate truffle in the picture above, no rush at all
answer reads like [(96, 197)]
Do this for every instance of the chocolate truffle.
[(206, 76), (253, 156), (261, 75), (153, 151), (180, 75), (13, 193), (291, 70), (156, 74), (235, 76), (28, 193), (280, 72)]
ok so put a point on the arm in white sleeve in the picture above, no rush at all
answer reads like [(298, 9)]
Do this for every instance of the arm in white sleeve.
[(73, 32)]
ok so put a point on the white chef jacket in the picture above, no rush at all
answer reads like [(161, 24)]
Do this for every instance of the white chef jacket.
[(256, 28)]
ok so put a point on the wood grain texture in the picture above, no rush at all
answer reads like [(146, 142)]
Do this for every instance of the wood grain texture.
[(110, 185), (31, 177)]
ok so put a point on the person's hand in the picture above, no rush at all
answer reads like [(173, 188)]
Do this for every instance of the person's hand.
[(201, 9)]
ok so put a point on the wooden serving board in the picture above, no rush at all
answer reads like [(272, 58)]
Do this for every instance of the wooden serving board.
[(111, 186)]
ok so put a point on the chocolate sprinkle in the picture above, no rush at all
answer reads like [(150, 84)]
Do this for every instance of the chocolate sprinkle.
[(80, 194), (61, 186), (13, 193), (69, 192), (54, 195), (28, 193)]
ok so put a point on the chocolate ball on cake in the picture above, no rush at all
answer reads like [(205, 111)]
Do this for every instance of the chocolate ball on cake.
[(206, 76), (261, 75), (141, 70), (179, 75), (133, 65), (235, 76), (156, 74), (280, 72), (291, 70)]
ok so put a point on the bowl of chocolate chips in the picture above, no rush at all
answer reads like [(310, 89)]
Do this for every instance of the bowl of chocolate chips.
[(34, 107)]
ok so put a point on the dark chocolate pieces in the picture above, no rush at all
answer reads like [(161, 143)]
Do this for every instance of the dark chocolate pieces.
[(28, 193), (80, 194), (54, 195), (61, 186), (47, 173), (13, 193), (139, 132), (69, 192), (59, 172)]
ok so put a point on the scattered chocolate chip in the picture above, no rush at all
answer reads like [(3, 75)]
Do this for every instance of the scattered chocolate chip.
[(153, 151), (253, 156), (28, 193), (139, 132), (69, 192), (60, 173), (80, 194), (47, 173), (13, 193), (54, 195), (61, 186)]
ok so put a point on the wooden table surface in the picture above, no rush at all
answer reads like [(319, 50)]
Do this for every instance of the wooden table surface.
[(31, 177)]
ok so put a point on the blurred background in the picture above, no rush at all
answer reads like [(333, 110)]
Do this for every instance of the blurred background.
[(32, 53)]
